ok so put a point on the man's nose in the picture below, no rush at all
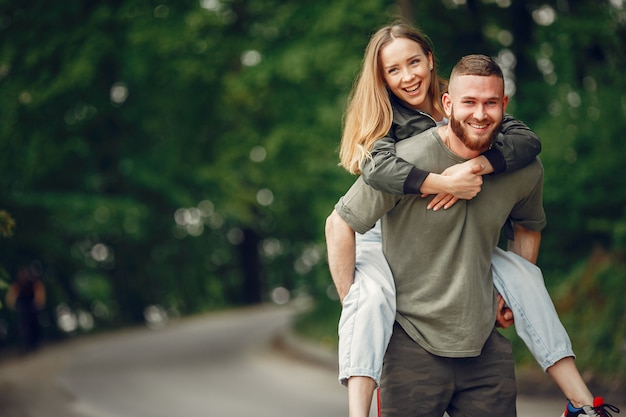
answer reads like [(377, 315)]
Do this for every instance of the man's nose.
[(479, 112)]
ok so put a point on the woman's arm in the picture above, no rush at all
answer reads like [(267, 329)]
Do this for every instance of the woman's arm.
[(387, 172), (515, 146)]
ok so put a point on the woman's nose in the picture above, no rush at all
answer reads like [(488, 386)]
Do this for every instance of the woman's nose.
[(407, 75)]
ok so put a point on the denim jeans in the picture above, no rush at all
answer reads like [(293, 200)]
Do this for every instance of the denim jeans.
[(536, 321), (369, 310)]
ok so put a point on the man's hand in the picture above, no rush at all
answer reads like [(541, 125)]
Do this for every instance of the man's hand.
[(504, 316)]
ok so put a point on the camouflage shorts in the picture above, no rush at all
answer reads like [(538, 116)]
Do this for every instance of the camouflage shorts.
[(417, 383)]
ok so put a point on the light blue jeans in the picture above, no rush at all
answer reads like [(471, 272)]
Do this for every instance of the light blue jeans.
[(369, 310)]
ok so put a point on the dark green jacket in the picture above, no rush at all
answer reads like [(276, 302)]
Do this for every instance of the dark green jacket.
[(514, 147)]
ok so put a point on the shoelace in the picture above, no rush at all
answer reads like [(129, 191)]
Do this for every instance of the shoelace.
[(603, 412)]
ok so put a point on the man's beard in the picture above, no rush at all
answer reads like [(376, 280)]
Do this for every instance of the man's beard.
[(481, 144)]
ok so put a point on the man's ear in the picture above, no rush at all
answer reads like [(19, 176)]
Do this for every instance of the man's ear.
[(505, 102), (447, 104)]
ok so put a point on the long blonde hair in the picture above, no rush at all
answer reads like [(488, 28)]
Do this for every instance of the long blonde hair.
[(368, 113)]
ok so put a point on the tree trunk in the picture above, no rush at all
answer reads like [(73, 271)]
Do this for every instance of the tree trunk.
[(251, 266)]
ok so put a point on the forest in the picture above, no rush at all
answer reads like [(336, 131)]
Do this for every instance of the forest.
[(164, 158)]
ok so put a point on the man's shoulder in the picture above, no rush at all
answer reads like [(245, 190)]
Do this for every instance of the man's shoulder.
[(535, 167), (525, 178), (424, 139)]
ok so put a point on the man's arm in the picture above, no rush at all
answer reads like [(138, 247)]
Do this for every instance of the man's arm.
[(341, 247), (526, 243)]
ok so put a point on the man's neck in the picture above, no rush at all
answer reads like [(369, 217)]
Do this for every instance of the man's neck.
[(455, 144)]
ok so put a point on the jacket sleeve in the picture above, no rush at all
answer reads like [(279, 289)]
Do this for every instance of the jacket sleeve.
[(514, 147), (389, 173)]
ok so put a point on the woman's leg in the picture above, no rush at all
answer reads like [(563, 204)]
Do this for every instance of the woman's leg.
[(537, 323), (360, 393), (566, 375), (365, 326)]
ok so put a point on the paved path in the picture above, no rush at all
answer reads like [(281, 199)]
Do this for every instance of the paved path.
[(223, 364)]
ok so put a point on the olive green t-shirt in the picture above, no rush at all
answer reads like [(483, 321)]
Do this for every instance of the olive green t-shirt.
[(441, 261)]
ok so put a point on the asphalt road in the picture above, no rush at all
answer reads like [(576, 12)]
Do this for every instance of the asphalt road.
[(221, 365), (218, 365)]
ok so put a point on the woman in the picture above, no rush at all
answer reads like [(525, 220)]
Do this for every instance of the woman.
[(397, 95)]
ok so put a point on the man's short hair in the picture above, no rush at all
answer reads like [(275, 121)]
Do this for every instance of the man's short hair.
[(480, 65)]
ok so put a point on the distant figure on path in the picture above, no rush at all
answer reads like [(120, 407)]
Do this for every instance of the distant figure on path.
[(27, 296)]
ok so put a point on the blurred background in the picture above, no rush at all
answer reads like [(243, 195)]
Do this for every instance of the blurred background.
[(160, 159)]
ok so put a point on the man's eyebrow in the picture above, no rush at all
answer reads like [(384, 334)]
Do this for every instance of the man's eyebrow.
[(476, 98)]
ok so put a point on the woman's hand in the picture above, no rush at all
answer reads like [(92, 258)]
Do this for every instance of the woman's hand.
[(441, 200), (462, 181)]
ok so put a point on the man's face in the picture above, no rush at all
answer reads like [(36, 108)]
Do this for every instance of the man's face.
[(475, 106)]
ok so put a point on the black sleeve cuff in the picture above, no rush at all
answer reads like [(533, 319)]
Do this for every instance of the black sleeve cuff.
[(414, 181), (496, 159)]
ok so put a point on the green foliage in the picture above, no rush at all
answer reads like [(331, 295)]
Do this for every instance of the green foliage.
[(147, 149), (586, 302), (583, 102), (7, 224), (594, 318)]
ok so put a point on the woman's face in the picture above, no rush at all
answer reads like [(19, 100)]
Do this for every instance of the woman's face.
[(406, 71)]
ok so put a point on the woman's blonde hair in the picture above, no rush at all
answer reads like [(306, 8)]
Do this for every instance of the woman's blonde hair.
[(369, 114)]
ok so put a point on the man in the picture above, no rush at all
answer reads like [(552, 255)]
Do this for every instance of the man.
[(445, 354)]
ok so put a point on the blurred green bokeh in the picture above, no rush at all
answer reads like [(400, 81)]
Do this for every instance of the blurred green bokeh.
[(184, 154)]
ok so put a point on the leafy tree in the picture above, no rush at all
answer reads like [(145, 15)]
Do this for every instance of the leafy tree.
[(152, 149)]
